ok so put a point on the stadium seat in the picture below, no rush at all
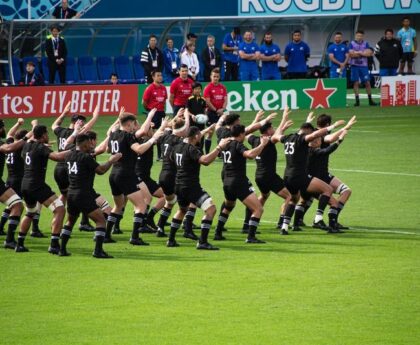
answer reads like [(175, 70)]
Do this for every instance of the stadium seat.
[(105, 67), (33, 59), (17, 73), (72, 73), (46, 71), (124, 69), (138, 69), (87, 69)]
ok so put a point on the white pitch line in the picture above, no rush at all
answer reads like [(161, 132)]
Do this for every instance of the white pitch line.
[(377, 172), (359, 131)]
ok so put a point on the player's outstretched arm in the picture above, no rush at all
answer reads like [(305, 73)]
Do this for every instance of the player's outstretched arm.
[(12, 131), (103, 168), (145, 127), (95, 116), (17, 145), (324, 131), (279, 133), (251, 154), (330, 138), (59, 120), (102, 147), (210, 157), (58, 156), (257, 125)]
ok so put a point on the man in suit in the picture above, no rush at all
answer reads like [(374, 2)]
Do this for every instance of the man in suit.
[(210, 57), (56, 50)]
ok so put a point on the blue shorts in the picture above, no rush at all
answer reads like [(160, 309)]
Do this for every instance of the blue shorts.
[(270, 75), (359, 74), (388, 72), (334, 74), (249, 75)]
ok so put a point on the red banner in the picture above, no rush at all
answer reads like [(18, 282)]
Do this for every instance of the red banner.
[(50, 101)]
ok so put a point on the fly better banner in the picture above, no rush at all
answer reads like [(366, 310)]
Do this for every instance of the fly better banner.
[(50, 101)]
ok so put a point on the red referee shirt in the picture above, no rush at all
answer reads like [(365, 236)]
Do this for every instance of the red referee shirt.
[(182, 90), (155, 97), (216, 94)]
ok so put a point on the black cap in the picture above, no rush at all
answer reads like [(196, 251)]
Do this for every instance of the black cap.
[(77, 117), (191, 35)]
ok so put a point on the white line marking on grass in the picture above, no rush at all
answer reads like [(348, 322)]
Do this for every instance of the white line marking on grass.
[(377, 172), (359, 131)]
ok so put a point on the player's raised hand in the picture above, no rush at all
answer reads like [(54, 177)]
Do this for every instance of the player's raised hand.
[(34, 123), (351, 122), (96, 111), (20, 121), (78, 126), (122, 111), (271, 117), (286, 112), (224, 142), (152, 113), (180, 112), (264, 140), (343, 133), (259, 116), (310, 117), (286, 125), (67, 108), (339, 123), (115, 157)]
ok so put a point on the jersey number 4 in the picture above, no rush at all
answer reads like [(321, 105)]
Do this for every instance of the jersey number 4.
[(289, 148), (72, 168)]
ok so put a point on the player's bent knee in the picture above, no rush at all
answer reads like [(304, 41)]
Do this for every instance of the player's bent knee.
[(172, 201), (342, 188), (56, 206), (207, 204), (13, 201)]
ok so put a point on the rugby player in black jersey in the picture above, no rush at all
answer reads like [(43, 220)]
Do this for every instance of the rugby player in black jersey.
[(266, 176), (8, 196), (60, 171), (35, 154), (236, 184), (180, 125), (188, 158), (14, 164), (81, 196), (296, 177), (123, 179), (318, 167)]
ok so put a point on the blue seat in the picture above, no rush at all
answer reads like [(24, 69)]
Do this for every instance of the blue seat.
[(87, 69), (105, 67), (72, 72), (138, 69), (17, 72), (46, 71), (124, 69)]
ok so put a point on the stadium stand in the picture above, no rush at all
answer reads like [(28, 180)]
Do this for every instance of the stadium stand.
[(105, 67), (87, 69)]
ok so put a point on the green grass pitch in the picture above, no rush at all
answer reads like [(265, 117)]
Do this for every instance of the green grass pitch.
[(361, 287)]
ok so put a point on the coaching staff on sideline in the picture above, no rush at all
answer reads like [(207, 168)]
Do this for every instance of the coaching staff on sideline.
[(231, 54), (151, 59)]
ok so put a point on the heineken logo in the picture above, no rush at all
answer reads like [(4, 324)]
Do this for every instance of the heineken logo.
[(320, 95)]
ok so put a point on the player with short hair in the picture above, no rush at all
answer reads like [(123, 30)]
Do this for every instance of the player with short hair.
[(81, 196), (188, 190), (338, 53), (408, 37), (35, 190), (249, 55)]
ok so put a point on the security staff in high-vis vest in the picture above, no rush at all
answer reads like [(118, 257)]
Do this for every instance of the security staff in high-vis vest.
[(249, 54)]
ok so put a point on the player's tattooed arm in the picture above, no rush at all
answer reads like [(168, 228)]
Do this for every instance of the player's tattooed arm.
[(59, 120)]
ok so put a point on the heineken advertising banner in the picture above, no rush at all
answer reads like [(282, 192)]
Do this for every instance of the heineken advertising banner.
[(275, 95), (49, 101), (326, 7)]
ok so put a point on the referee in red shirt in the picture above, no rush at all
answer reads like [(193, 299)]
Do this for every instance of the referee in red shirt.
[(215, 95), (181, 89), (155, 96)]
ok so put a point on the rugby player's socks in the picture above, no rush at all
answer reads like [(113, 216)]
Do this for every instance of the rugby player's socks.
[(21, 239), (253, 225), (13, 224), (110, 222), (85, 219), (152, 213), (164, 215), (207, 145), (290, 208), (299, 212), (4, 217), (332, 216), (248, 213), (55, 241), (223, 218), (340, 207), (189, 217), (35, 222), (137, 225), (175, 225), (100, 236), (280, 222), (323, 202), (119, 217), (65, 236), (205, 229)]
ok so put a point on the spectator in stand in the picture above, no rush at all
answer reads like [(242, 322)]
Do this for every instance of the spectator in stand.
[(56, 50), (270, 57), (408, 38), (211, 57), (191, 38), (180, 90), (296, 55), (114, 79), (388, 51), (190, 59), (338, 53), (249, 55), (30, 78), (360, 51), (65, 12), (171, 61), (151, 59), (230, 48)]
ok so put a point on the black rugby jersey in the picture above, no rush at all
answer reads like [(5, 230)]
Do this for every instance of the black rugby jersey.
[(81, 170), (35, 158), (267, 160), (186, 158)]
